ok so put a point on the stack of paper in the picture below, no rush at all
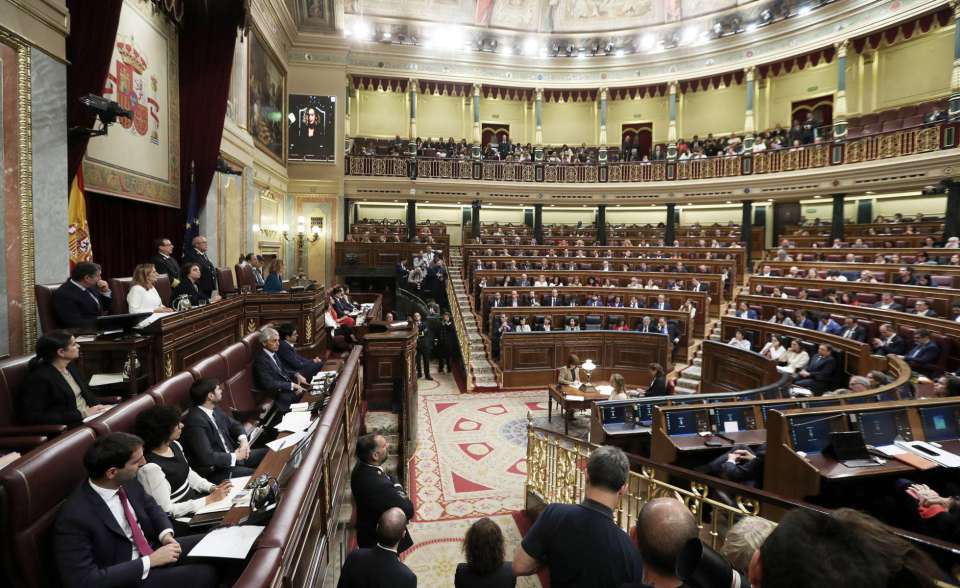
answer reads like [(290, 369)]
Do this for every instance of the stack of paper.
[(300, 406), (237, 486), (229, 542), (104, 379), (294, 422), (288, 441)]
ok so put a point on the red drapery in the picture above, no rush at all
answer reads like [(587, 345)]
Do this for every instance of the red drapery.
[(93, 29)]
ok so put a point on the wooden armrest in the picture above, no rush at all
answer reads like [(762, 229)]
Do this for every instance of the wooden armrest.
[(22, 443), (28, 430)]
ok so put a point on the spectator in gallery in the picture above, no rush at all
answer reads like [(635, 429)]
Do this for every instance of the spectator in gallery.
[(743, 539), (664, 526), (483, 546)]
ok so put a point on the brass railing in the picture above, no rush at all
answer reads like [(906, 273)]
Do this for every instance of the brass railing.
[(883, 145), (462, 339), (557, 464)]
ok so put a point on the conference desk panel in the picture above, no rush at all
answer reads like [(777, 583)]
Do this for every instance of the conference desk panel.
[(684, 253), (857, 358), (727, 368), (304, 310), (532, 359)]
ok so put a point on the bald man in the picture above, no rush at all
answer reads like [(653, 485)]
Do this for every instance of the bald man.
[(380, 566), (663, 528)]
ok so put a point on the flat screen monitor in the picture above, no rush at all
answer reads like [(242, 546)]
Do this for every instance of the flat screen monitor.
[(687, 422), (612, 413), (742, 415), (312, 128), (812, 433), (940, 423), (882, 427)]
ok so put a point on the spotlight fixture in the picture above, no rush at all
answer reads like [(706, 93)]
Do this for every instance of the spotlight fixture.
[(569, 50), (619, 53), (647, 42), (751, 27), (608, 48), (107, 112)]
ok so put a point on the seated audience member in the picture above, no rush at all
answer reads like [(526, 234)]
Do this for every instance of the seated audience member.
[(658, 381), (375, 491), (572, 325), (924, 354), (886, 302), (947, 385), (738, 340), (853, 330), (167, 477), (922, 308), (818, 375), (744, 311), (143, 295), (843, 548), (741, 464), (164, 262), (661, 303), (581, 543), (216, 444), (290, 359), (82, 298), (284, 385), (889, 342), (189, 288), (379, 566), (274, 281), (664, 526), (773, 349), (110, 532), (859, 384), (743, 539), (339, 325), (570, 372), (485, 567), (826, 324), (619, 386), (54, 391), (796, 358)]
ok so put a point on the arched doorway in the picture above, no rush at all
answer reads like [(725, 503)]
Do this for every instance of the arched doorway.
[(494, 133), (638, 135)]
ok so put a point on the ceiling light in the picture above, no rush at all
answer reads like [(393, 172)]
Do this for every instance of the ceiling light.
[(729, 202), (581, 53), (647, 41), (507, 50), (387, 35), (751, 27), (361, 30), (347, 32), (543, 52), (717, 29), (804, 10), (769, 199), (530, 46), (688, 35), (619, 53), (818, 196)]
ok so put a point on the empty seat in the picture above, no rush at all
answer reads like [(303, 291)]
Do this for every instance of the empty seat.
[(869, 119), (174, 391), (225, 285), (44, 297), (942, 281), (854, 132), (593, 323), (210, 367), (872, 129)]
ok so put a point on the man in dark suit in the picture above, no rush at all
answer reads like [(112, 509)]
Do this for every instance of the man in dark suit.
[(216, 445), (256, 267), (164, 262), (818, 376), (553, 299), (853, 330), (889, 342), (81, 299), (922, 308), (424, 346), (380, 566), (110, 532), (375, 491), (925, 353), (290, 359), (661, 303), (197, 253), (698, 286), (282, 384), (497, 301), (887, 303)]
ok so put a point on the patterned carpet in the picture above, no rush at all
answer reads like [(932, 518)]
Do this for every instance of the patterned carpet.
[(470, 462)]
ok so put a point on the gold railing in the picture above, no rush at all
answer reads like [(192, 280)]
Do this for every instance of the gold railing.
[(557, 465), (462, 339)]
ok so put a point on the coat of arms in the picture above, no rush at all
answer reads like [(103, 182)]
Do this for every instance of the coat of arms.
[(129, 83)]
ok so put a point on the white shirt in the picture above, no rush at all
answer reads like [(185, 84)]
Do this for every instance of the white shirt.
[(156, 484), (112, 500), (139, 299), (742, 344)]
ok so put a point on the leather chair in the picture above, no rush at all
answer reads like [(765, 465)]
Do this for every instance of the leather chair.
[(121, 417), (164, 289), (592, 323), (245, 277), (225, 285), (12, 373), (240, 395), (44, 296), (31, 493), (174, 391), (120, 287), (210, 367)]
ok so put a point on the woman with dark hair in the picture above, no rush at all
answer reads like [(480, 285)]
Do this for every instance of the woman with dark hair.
[(55, 392), (569, 373), (167, 477), (188, 287), (484, 549), (658, 386)]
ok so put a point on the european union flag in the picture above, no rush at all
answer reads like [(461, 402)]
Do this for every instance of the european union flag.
[(192, 223)]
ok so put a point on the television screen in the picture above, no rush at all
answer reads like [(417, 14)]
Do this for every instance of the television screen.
[(810, 434), (312, 128), (741, 415), (882, 427), (940, 423), (687, 422)]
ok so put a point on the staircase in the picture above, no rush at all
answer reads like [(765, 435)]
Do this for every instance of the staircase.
[(479, 367), (689, 380)]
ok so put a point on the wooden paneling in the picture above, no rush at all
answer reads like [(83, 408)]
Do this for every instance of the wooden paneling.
[(727, 369)]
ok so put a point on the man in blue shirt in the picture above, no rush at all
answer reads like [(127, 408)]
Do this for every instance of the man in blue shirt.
[(580, 543)]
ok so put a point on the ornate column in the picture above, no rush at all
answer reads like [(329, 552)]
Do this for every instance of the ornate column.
[(951, 226), (840, 103), (412, 92), (954, 109), (746, 228), (538, 124), (602, 224), (672, 128), (411, 219), (538, 223), (346, 108), (475, 151), (670, 234), (748, 125), (602, 156), (836, 218), (475, 218)]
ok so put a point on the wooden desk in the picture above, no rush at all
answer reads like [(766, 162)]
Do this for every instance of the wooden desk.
[(689, 443), (558, 393), (133, 349)]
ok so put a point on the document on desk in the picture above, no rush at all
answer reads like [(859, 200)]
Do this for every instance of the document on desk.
[(104, 379), (149, 320), (294, 422), (573, 398), (237, 486), (227, 542), (300, 406), (288, 441), (930, 453)]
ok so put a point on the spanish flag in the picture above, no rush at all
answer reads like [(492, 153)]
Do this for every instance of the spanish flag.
[(78, 233)]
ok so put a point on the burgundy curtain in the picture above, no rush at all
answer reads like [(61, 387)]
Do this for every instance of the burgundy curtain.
[(207, 41), (122, 231), (93, 29)]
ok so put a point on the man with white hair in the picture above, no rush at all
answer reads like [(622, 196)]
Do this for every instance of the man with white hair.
[(952, 243), (283, 385)]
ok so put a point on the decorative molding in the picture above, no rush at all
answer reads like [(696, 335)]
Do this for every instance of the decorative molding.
[(43, 24), (25, 164)]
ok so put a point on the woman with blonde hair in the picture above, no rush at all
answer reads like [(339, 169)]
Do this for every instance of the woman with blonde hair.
[(143, 295), (274, 281), (569, 373), (619, 387)]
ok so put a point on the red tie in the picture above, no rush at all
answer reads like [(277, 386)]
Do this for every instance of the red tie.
[(138, 538)]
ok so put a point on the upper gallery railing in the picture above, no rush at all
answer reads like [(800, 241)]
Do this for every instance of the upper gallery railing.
[(909, 141)]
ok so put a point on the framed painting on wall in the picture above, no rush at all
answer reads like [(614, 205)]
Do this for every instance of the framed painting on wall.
[(267, 89), (140, 157)]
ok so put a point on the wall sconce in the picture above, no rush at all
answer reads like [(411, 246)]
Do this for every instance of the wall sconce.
[(315, 231), (273, 231)]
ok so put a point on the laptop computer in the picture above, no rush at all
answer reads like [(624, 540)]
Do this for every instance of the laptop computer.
[(849, 448)]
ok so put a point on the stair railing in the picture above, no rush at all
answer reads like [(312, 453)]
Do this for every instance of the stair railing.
[(462, 338)]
